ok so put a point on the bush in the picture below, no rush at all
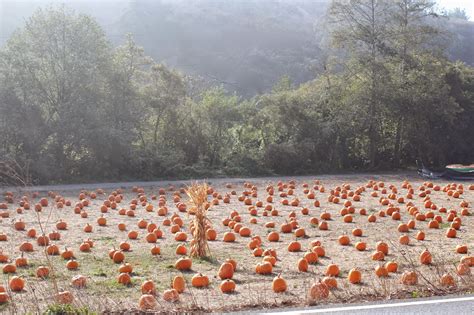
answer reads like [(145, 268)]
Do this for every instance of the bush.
[(284, 159)]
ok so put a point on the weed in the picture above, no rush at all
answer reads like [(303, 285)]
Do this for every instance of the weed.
[(66, 309)]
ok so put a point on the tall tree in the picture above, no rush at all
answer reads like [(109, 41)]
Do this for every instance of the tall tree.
[(56, 64), (214, 115), (412, 35), (361, 28), (163, 92), (130, 70)]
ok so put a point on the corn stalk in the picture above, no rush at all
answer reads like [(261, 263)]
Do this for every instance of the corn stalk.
[(198, 206)]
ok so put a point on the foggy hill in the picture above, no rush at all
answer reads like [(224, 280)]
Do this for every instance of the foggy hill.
[(246, 45)]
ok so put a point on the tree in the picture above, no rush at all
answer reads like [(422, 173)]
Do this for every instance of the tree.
[(213, 118), (412, 35), (361, 28), (430, 112), (130, 70), (458, 136), (162, 92), (74, 108), (458, 13), (56, 65)]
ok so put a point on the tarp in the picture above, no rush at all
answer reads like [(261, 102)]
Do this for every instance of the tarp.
[(453, 171), (461, 168)]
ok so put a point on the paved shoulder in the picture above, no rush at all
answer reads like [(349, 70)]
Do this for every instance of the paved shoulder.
[(434, 306)]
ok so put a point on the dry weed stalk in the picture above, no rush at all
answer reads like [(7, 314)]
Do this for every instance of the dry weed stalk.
[(14, 174), (198, 207), (45, 249), (409, 260)]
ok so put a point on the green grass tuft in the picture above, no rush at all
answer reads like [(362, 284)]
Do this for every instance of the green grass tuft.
[(67, 309)]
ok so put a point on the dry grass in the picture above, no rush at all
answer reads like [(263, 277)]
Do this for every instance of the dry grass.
[(103, 293)]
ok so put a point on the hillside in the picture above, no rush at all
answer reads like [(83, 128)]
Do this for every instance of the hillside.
[(244, 45)]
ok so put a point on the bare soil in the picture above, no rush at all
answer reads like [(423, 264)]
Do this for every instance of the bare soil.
[(104, 294)]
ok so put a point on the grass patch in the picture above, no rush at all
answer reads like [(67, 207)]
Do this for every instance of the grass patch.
[(111, 284), (167, 266), (99, 272), (106, 238), (206, 260), (67, 309)]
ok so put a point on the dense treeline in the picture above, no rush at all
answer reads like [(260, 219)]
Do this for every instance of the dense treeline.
[(74, 108)]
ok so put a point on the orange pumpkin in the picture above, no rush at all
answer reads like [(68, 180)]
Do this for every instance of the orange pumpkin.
[(303, 265), (199, 281), (319, 291), (409, 277), (64, 297), (179, 284), (391, 266), (226, 271), (229, 237), (227, 286), (183, 264), (330, 282), (294, 246), (171, 295), (148, 287), (344, 240), (447, 280), (42, 272), (355, 276), (16, 284), (124, 278), (381, 271), (264, 268), (147, 302), (426, 258), (332, 270), (279, 284), (79, 281)]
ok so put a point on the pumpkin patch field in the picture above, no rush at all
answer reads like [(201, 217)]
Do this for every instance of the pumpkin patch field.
[(253, 244)]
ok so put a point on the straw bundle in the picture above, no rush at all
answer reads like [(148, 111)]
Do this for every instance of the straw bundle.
[(198, 208)]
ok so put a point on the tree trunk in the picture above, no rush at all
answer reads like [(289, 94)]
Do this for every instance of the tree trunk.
[(155, 131), (373, 94), (398, 143)]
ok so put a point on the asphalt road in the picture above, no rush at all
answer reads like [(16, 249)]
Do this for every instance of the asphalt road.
[(459, 305)]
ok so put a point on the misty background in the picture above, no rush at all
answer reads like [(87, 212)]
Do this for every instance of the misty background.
[(244, 45)]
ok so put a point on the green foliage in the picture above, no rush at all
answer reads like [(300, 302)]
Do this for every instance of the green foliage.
[(67, 309), (74, 108)]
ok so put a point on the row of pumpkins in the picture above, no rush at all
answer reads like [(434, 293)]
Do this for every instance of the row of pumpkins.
[(319, 290)]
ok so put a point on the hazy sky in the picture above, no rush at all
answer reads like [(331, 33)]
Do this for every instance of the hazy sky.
[(468, 5)]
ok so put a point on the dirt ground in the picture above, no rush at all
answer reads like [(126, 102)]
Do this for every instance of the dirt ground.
[(104, 294)]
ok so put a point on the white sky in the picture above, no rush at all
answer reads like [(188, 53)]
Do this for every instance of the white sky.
[(468, 5)]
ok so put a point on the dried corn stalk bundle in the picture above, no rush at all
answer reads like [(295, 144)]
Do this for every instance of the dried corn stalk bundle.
[(198, 206)]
